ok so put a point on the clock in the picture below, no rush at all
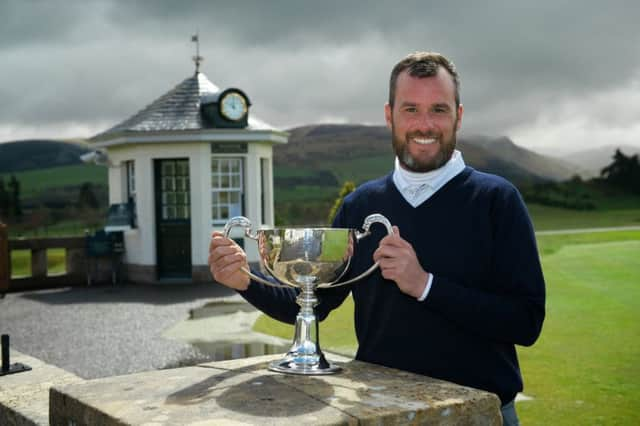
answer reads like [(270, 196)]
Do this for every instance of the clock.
[(233, 105)]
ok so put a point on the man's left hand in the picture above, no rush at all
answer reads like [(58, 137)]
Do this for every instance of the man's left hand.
[(399, 262)]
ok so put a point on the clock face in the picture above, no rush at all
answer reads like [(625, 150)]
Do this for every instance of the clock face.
[(233, 106)]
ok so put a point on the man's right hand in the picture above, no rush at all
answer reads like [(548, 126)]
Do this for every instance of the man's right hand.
[(225, 260)]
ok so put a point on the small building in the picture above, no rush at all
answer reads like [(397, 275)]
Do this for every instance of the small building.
[(183, 166)]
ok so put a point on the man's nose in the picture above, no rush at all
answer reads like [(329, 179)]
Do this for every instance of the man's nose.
[(425, 122)]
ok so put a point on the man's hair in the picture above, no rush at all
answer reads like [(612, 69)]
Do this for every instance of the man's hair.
[(421, 65)]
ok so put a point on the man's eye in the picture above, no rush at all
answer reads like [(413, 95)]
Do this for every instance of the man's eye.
[(440, 110), (411, 109)]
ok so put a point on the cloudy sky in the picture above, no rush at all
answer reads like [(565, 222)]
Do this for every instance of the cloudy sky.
[(550, 74)]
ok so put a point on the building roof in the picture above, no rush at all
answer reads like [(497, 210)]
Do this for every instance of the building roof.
[(176, 110)]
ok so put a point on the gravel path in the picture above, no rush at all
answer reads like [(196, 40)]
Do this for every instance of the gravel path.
[(103, 331)]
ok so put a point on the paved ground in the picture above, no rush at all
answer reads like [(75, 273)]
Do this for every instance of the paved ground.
[(104, 331)]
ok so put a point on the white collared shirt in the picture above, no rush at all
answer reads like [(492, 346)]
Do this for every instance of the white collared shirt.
[(417, 188)]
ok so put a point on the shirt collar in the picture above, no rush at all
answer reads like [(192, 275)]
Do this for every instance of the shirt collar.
[(434, 179)]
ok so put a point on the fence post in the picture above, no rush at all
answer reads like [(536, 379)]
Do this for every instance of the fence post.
[(5, 263)]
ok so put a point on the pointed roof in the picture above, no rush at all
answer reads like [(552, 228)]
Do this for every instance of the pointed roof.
[(176, 110)]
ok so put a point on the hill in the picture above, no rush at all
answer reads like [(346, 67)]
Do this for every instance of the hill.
[(507, 152), (326, 155), (357, 152), (24, 155)]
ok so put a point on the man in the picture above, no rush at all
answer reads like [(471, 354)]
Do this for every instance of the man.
[(460, 281)]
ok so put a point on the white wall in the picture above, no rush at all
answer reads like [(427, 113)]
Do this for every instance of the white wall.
[(260, 151), (140, 243)]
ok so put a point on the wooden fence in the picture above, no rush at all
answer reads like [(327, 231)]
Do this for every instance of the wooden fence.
[(79, 267)]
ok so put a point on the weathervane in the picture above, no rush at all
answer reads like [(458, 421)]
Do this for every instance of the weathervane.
[(197, 59)]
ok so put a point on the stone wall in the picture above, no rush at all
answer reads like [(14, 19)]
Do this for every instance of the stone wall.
[(24, 397)]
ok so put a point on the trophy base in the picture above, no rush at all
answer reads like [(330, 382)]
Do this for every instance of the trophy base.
[(292, 364)]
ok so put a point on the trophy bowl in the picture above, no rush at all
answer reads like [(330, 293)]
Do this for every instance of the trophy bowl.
[(306, 259)]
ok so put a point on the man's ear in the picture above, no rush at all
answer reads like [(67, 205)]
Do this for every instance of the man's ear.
[(460, 112), (388, 114)]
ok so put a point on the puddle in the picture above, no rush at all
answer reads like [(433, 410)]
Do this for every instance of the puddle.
[(222, 330), (220, 307), (224, 351)]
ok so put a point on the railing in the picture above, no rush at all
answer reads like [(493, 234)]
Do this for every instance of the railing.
[(77, 263)]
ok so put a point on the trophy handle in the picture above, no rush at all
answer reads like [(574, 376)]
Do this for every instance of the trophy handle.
[(241, 221), (368, 221)]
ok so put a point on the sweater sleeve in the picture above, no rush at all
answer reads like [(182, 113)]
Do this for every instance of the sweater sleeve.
[(513, 311), (277, 302)]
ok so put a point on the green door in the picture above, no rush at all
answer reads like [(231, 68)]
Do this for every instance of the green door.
[(173, 218)]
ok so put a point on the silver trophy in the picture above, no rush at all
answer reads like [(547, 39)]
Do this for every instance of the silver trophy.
[(306, 258)]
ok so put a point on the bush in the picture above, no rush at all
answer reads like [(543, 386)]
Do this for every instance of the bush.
[(569, 195)]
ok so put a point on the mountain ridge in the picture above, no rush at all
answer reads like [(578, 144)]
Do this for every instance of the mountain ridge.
[(32, 154), (327, 149), (313, 146)]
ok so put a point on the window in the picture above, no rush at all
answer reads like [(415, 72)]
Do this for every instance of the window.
[(131, 188), (226, 189), (174, 190)]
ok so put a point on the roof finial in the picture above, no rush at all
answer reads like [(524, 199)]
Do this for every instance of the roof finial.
[(197, 59)]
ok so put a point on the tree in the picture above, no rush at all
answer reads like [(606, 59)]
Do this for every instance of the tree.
[(623, 172), (347, 188), (14, 197), (5, 202), (87, 197)]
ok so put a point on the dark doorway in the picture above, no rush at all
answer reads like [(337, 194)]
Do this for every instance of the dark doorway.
[(173, 218)]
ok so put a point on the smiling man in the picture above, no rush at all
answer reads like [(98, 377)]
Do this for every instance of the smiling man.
[(460, 282), (424, 113)]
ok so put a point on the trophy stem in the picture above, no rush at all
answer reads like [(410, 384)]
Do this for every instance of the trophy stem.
[(306, 258), (305, 355)]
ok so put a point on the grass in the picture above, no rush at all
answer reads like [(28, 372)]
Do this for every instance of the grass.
[(584, 368), (33, 182), (550, 244), (303, 193), (359, 170), (21, 262), (355, 170), (66, 228), (546, 218)]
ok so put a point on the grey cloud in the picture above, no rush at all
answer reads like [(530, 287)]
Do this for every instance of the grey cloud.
[(302, 61), (31, 22)]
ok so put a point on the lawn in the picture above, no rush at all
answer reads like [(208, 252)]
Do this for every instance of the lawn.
[(21, 262), (606, 215), (33, 182), (584, 368)]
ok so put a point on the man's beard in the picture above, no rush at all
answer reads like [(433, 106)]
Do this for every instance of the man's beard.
[(446, 148)]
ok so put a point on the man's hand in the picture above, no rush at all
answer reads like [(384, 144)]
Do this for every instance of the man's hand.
[(399, 263), (225, 260)]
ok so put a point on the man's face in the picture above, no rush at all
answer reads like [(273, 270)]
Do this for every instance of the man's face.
[(424, 120)]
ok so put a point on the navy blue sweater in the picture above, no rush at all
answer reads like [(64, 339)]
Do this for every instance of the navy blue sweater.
[(475, 236)]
